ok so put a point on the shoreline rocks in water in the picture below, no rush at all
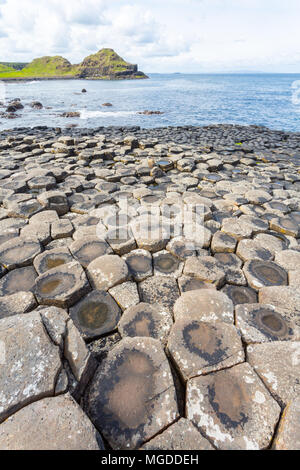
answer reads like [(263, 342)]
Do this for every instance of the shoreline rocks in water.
[(145, 273)]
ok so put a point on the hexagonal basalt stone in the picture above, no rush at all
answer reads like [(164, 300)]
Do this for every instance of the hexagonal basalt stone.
[(205, 268), (95, 315), (165, 264), (262, 323), (29, 362), (206, 305), (285, 225), (146, 320), (286, 298), (56, 423), (132, 396), (52, 259), (140, 264), (187, 283), (277, 364), (107, 271), (240, 295), (223, 243), (62, 286), (288, 259), (18, 252), (261, 274), (288, 433), (160, 290), (251, 249), (18, 280), (126, 294), (233, 409), (236, 228), (88, 249), (150, 236), (182, 435), (16, 304), (54, 200), (121, 240), (181, 248), (199, 348)]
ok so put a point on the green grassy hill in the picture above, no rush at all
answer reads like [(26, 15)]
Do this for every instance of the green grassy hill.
[(105, 64)]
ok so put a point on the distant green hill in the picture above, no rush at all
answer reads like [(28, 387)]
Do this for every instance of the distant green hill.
[(15, 65), (105, 64)]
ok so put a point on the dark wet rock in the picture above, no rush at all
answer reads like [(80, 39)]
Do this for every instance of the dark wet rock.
[(233, 409), (36, 105), (180, 436), (206, 305), (50, 424), (95, 315), (18, 280), (261, 274), (132, 396), (262, 323), (198, 348), (162, 290), (62, 286), (146, 320), (277, 364)]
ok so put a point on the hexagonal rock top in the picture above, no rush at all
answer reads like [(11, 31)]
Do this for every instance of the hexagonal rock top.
[(96, 314), (286, 298), (160, 290), (87, 249), (261, 274), (198, 348), (233, 408), (107, 271), (278, 366), (29, 362), (182, 435), (50, 424), (146, 320), (62, 286), (18, 252), (205, 268), (207, 305), (132, 395), (288, 434), (262, 323)]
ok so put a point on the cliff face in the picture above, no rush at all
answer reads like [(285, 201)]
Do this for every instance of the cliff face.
[(107, 64)]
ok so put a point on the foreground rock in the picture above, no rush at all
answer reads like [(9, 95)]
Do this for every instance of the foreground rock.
[(288, 434)]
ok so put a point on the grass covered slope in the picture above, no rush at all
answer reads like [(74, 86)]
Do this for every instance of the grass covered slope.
[(105, 64)]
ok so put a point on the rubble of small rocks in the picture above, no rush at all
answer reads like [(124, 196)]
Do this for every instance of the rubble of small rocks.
[(149, 289)]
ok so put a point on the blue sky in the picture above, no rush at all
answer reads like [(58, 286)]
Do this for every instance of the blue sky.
[(159, 35)]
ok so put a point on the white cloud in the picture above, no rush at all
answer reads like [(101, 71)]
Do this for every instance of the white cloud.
[(194, 35)]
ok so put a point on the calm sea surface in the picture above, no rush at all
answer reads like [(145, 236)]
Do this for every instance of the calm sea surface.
[(262, 99)]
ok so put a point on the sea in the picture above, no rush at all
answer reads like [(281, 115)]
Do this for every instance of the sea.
[(270, 100)]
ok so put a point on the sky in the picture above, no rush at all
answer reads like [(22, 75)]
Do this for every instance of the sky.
[(164, 36)]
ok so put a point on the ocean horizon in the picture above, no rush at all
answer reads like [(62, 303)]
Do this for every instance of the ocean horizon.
[(185, 99)]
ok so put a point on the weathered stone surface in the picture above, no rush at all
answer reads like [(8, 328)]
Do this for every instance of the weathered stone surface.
[(16, 304), (62, 286), (285, 225), (206, 305), (54, 200), (187, 283), (288, 259), (18, 280), (150, 236), (223, 243), (121, 240), (50, 424), (181, 248), (261, 274), (252, 249), (132, 396), (262, 323), (52, 259), (165, 264), (18, 252), (284, 297), (146, 320), (29, 363), (288, 433), (236, 228), (95, 315), (199, 348), (55, 322), (278, 365), (140, 264), (205, 268), (180, 436), (88, 249), (160, 290), (233, 409), (126, 294), (107, 271), (240, 295)]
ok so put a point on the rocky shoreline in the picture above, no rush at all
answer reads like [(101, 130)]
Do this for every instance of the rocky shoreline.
[(150, 288)]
